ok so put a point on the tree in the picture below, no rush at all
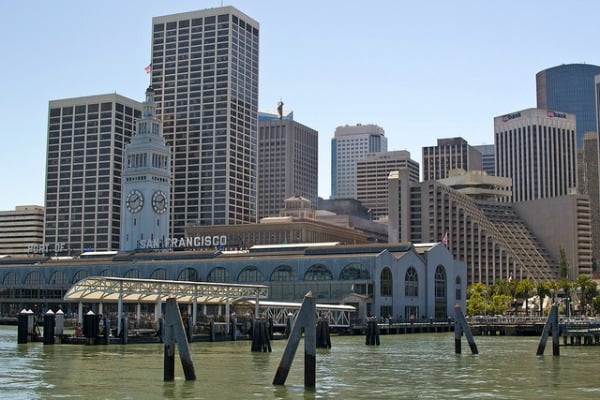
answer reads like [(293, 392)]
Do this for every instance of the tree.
[(477, 302), (587, 290), (543, 289), (523, 290)]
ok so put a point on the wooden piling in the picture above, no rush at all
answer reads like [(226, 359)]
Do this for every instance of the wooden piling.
[(260, 337), (175, 333), (305, 320), (372, 338), (323, 336), (551, 325), (461, 326), (49, 325)]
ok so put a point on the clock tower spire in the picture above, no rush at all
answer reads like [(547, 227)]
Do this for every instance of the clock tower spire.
[(146, 184)]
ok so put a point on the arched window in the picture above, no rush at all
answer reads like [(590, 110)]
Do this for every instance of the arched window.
[(107, 272), (10, 278), (353, 272), (458, 288), (34, 278), (159, 273), (219, 274), (318, 272), (250, 274), (386, 281), (132, 273), (411, 282), (188, 274), (283, 273), (440, 282), (79, 275), (59, 278)]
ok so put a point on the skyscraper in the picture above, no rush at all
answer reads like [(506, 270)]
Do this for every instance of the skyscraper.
[(146, 183), (372, 174), (536, 148), (205, 76), (22, 231), (288, 155), (570, 88), (488, 158), (350, 144), (449, 154), (86, 140)]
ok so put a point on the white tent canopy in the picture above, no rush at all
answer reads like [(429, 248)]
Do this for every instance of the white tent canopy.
[(102, 289)]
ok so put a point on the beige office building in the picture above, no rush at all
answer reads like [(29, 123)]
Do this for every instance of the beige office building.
[(488, 235), (372, 179), (22, 231)]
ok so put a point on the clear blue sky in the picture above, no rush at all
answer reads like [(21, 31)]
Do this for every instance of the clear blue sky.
[(422, 70)]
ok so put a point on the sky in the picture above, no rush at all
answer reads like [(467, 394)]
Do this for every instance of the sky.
[(421, 70)]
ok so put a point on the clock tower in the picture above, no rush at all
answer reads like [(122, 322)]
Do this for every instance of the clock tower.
[(146, 184)]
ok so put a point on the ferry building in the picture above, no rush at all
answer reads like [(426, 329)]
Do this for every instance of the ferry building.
[(404, 281)]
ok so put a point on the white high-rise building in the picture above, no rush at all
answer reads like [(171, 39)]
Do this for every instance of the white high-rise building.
[(146, 184), (350, 144), (86, 140), (205, 76), (537, 149)]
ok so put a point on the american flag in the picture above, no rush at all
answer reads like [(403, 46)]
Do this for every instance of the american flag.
[(445, 239), (148, 69)]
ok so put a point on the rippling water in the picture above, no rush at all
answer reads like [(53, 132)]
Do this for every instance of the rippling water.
[(418, 366)]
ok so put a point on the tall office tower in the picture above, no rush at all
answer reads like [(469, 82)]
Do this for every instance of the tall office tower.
[(488, 158), (570, 88), (350, 144), (587, 159), (86, 140), (536, 148), (22, 231), (146, 184), (372, 174), (205, 76), (288, 154), (449, 154)]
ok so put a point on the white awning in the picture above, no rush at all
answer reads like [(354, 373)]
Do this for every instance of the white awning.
[(108, 289)]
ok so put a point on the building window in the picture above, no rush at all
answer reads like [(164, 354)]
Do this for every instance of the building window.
[(440, 282), (159, 273), (411, 283), (219, 274), (250, 274), (353, 272), (458, 288), (318, 272), (386, 282), (283, 273), (132, 273), (188, 274)]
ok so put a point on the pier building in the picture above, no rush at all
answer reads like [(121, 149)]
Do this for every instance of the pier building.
[(401, 280)]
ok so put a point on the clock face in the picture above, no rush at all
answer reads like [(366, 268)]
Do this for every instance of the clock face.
[(134, 201), (159, 202)]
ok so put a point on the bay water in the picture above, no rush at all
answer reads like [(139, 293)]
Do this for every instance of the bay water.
[(404, 366)]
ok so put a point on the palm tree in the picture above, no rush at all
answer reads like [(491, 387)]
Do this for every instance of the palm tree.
[(522, 291), (587, 290)]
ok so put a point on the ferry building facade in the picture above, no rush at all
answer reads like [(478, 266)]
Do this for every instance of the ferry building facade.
[(403, 281)]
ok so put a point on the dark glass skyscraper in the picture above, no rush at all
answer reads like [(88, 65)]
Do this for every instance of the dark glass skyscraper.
[(570, 88)]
